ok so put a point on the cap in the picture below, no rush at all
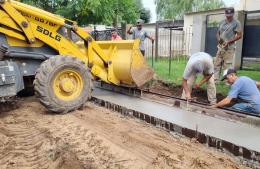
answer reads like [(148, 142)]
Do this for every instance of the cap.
[(229, 11), (139, 22), (227, 72)]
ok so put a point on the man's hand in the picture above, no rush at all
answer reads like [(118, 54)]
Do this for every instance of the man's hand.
[(220, 41), (129, 30), (226, 43), (186, 89), (151, 38), (224, 102), (197, 86), (205, 79), (188, 96), (258, 85)]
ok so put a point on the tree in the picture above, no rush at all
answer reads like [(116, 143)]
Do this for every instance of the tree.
[(110, 12), (49, 5), (175, 9), (85, 11), (145, 15)]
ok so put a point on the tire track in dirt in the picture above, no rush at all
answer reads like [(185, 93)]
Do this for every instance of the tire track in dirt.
[(86, 145), (46, 140), (22, 146), (93, 138)]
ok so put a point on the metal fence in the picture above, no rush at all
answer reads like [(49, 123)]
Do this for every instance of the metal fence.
[(174, 47), (173, 43), (104, 34)]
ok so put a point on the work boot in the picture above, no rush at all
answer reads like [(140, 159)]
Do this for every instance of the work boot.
[(212, 103)]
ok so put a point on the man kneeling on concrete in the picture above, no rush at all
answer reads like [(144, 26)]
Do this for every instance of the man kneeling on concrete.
[(199, 63), (242, 88)]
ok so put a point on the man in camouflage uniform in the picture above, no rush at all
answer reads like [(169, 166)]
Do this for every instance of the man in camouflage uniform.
[(229, 32)]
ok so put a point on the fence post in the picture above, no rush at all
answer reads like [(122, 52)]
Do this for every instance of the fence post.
[(152, 52), (123, 29), (170, 57), (238, 58), (95, 33), (156, 39)]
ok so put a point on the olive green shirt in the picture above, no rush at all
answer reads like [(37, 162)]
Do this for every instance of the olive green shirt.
[(227, 30)]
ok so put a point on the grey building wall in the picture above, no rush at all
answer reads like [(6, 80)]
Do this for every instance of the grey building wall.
[(198, 32), (239, 44), (197, 21)]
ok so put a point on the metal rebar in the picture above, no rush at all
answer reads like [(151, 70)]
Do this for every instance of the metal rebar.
[(170, 57)]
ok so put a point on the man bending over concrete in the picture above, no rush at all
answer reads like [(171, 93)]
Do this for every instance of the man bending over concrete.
[(199, 63), (244, 89)]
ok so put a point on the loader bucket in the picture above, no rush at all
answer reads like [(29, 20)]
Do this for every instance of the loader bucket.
[(127, 66)]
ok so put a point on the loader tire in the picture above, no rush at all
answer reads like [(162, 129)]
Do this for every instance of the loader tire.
[(63, 84)]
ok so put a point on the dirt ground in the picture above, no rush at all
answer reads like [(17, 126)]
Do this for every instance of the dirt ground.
[(170, 89), (94, 137)]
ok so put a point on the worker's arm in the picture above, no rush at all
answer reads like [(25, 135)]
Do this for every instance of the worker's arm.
[(238, 35), (151, 38), (205, 79), (186, 89), (224, 102), (148, 36), (233, 93), (218, 36), (129, 31), (258, 84), (235, 38)]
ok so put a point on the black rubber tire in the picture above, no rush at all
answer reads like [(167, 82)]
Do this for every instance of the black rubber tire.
[(44, 80)]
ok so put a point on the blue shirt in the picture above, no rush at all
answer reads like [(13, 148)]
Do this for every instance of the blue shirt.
[(245, 89)]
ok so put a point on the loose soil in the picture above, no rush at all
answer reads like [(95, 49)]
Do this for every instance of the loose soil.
[(170, 89), (94, 137)]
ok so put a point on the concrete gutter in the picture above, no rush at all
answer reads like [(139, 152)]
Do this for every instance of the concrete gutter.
[(240, 139)]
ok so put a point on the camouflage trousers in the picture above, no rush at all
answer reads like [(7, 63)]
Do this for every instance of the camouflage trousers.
[(211, 88), (223, 60)]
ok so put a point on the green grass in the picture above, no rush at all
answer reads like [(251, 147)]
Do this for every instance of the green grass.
[(251, 66), (161, 67)]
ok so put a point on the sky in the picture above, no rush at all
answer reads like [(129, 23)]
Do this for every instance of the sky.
[(150, 5)]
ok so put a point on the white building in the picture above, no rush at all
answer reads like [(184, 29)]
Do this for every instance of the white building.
[(248, 5), (198, 22)]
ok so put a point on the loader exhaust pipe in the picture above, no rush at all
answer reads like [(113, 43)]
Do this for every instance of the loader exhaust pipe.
[(3, 50)]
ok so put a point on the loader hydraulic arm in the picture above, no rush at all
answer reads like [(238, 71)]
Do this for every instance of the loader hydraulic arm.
[(87, 38), (26, 27), (19, 19)]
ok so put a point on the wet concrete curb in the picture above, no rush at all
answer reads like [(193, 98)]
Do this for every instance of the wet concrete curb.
[(248, 157)]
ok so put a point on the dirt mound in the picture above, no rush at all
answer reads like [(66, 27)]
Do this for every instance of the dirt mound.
[(172, 89), (68, 160), (93, 138)]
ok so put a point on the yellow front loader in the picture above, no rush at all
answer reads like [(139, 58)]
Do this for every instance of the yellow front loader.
[(39, 49)]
